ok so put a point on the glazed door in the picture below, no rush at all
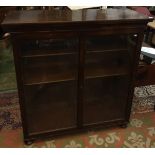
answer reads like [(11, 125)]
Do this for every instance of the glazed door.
[(107, 74), (49, 72)]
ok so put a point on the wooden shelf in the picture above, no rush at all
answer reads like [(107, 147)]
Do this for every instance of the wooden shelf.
[(35, 78), (42, 53), (106, 50), (105, 72)]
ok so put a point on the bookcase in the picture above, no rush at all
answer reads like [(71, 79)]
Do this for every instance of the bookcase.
[(75, 69)]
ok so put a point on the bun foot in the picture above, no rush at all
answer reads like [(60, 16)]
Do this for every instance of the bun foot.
[(124, 125), (28, 142)]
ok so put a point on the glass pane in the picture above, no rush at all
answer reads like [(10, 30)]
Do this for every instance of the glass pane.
[(50, 71), (108, 67), (50, 107)]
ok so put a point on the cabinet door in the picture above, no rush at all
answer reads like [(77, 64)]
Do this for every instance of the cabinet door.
[(49, 72), (107, 74)]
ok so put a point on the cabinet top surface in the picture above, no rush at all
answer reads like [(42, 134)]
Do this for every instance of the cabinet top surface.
[(76, 16)]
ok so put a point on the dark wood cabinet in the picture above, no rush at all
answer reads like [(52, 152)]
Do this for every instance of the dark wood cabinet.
[(75, 69)]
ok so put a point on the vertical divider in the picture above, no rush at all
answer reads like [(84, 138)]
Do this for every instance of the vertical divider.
[(80, 81), (139, 41)]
